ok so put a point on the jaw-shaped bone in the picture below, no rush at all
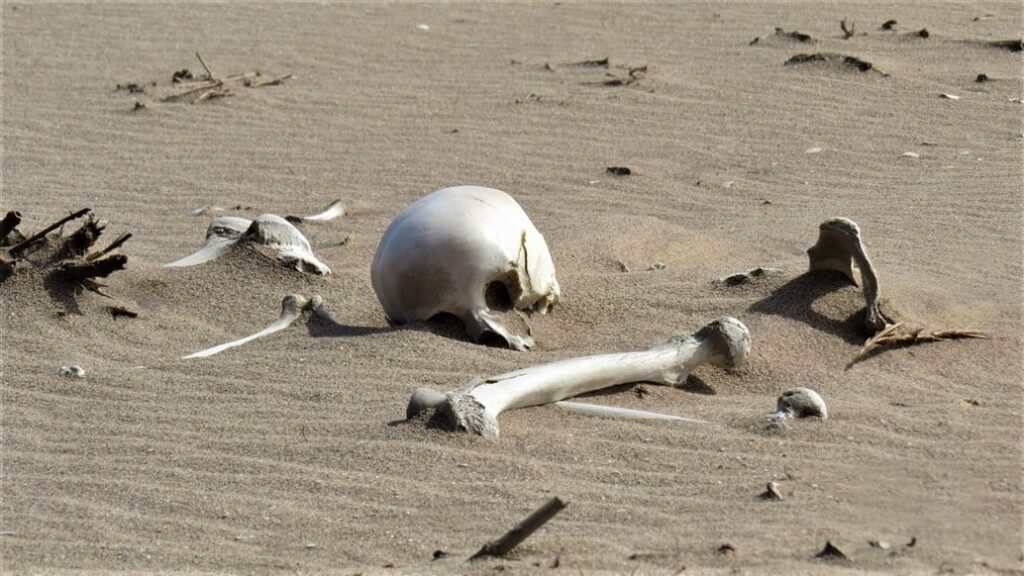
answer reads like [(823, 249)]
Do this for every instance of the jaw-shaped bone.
[(839, 246), (475, 407), (797, 403), (442, 252), (292, 306), (269, 231)]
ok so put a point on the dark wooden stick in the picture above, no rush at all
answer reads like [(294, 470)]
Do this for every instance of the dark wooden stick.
[(113, 246), (205, 67), (96, 269), (522, 531), (9, 223), (18, 248), (81, 240)]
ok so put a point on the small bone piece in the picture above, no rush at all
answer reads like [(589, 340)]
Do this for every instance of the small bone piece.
[(839, 246), (332, 211), (475, 407), (292, 306), (73, 371), (443, 252), (619, 413), (797, 403), (289, 246)]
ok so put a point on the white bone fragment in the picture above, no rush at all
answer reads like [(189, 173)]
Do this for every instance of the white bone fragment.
[(475, 407), (797, 403), (619, 413), (289, 246), (73, 371), (442, 252), (334, 210), (949, 96), (292, 306), (839, 246)]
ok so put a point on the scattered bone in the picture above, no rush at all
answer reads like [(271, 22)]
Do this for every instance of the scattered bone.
[(771, 492), (615, 412), (73, 371), (832, 58), (911, 155), (748, 276), (292, 306), (424, 27), (442, 253), (521, 531), (948, 96), (333, 210), (814, 150), (839, 246), (831, 552), (728, 184), (880, 544), (288, 245), (204, 210), (656, 266), (475, 407)]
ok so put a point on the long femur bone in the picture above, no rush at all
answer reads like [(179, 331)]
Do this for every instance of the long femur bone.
[(269, 231), (443, 251), (475, 407), (839, 246), (292, 307)]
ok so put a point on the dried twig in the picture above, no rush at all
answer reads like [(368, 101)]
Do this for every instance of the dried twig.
[(891, 337), (522, 531), (9, 223), (205, 67), (21, 246), (271, 82), (113, 246), (847, 32)]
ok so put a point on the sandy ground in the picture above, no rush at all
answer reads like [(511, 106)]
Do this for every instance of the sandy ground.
[(285, 456)]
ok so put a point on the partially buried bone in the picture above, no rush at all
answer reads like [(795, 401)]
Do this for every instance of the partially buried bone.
[(269, 231), (839, 246), (442, 253), (797, 403), (292, 307), (475, 407)]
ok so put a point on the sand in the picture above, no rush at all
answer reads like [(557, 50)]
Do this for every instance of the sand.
[(288, 454)]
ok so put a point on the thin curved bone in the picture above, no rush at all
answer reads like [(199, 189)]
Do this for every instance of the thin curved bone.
[(475, 407), (222, 233), (334, 210), (443, 251), (289, 246), (839, 246), (292, 306), (619, 413)]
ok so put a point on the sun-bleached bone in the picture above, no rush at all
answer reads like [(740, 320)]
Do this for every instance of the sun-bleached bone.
[(619, 413), (443, 251), (475, 407), (797, 403), (333, 210), (269, 231), (840, 246), (292, 307)]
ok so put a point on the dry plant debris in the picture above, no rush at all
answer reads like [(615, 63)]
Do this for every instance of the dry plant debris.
[(194, 88), (784, 35), (897, 336), (841, 60), (68, 260)]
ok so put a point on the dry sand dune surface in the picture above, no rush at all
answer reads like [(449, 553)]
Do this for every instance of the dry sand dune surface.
[(289, 454)]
